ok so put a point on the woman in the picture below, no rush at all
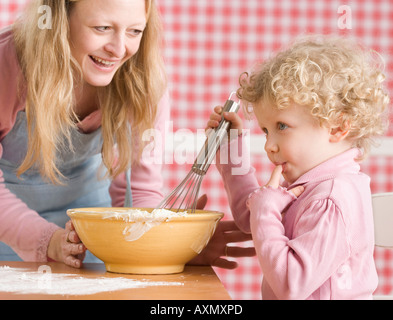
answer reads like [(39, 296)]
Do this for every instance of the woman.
[(74, 102)]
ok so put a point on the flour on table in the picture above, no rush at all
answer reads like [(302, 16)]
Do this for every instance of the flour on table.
[(42, 281)]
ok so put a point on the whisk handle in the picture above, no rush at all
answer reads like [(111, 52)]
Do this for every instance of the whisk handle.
[(213, 141)]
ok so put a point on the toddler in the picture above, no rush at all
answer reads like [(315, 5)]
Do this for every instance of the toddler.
[(319, 103)]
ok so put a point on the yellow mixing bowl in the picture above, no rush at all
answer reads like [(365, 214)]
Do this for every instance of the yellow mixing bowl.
[(143, 247)]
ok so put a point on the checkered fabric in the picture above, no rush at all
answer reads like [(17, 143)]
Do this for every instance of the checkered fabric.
[(9, 10), (210, 42)]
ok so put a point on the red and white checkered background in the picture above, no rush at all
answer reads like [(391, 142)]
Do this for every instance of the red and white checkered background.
[(210, 42)]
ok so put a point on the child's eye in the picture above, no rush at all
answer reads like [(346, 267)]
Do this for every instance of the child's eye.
[(265, 131), (281, 126)]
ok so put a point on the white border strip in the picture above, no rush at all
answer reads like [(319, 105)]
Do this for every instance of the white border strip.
[(384, 147), (257, 142)]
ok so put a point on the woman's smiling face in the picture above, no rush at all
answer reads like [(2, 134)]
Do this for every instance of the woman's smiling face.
[(104, 34)]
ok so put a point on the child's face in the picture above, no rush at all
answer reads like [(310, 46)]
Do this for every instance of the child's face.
[(294, 139), (104, 34)]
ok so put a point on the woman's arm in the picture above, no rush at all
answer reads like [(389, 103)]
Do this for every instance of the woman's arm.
[(22, 228)]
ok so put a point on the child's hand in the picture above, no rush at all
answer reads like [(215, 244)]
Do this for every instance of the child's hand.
[(233, 117), (275, 182)]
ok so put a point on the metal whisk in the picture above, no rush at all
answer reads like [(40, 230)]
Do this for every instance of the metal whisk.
[(185, 195)]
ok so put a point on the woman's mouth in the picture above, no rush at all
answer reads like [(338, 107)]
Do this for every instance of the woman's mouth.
[(102, 63)]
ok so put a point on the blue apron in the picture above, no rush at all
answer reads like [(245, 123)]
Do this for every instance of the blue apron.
[(83, 186)]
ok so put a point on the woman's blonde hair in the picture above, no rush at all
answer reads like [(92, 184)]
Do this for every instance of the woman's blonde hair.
[(338, 80), (128, 104)]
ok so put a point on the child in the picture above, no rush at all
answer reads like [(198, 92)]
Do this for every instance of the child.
[(319, 104)]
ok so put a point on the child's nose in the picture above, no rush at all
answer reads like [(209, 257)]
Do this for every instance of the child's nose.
[(271, 145)]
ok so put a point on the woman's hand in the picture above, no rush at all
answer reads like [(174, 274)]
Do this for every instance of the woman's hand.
[(65, 246), (217, 251)]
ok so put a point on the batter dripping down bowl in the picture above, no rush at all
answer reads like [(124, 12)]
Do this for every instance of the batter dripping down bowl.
[(144, 240)]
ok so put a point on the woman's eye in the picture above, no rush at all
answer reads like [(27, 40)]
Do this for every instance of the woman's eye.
[(282, 126), (103, 28), (135, 32), (265, 131)]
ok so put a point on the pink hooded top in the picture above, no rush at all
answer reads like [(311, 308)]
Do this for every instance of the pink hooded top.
[(317, 246), (22, 228)]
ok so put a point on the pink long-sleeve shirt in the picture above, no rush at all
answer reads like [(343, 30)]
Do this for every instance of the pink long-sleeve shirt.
[(22, 228), (317, 246)]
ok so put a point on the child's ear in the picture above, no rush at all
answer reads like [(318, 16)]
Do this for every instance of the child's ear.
[(338, 134)]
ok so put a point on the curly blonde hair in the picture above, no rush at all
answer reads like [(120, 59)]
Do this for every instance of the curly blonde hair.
[(338, 80)]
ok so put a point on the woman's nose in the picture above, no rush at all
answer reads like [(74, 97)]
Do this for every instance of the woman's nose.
[(117, 46)]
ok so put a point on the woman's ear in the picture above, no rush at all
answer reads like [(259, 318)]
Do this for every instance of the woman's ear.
[(338, 134)]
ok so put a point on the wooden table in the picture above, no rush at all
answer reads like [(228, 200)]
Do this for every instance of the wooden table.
[(197, 283)]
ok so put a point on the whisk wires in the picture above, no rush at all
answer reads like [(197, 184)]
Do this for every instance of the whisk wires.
[(185, 195)]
